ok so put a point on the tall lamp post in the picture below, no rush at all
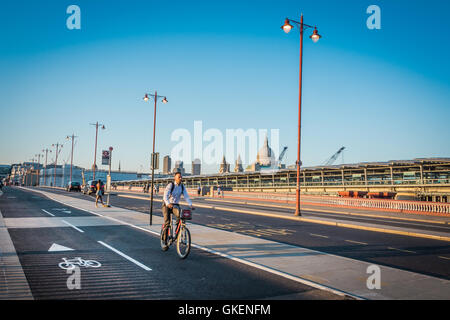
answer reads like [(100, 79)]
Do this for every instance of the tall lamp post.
[(287, 27), (57, 145), (95, 152), (39, 167), (164, 100), (45, 167), (72, 137)]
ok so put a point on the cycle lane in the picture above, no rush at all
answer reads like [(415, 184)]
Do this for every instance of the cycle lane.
[(119, 277)]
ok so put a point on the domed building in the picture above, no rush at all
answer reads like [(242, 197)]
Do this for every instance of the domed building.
[(265, 158)]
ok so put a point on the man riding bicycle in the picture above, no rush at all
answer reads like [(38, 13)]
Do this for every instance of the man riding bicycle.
[(172, 195)]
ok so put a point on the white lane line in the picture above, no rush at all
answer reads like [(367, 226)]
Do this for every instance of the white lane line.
[(48, 212), (446, 258), (317, 235), (125, 256), (71, 225), (407, 251), (357, 242)]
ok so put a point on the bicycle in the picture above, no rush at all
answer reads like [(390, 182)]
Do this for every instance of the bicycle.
[(181, 235), (69, 264)]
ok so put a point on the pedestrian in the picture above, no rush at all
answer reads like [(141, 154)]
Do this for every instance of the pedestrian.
[(199, 190), (218, 190), (99, 193)]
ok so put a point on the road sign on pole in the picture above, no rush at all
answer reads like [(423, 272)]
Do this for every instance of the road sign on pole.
[(105, 157), (155, 160)]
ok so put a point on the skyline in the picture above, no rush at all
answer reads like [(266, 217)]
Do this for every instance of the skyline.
[(376, 92)]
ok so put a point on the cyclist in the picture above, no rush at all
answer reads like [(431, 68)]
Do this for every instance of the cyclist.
[(172, 195)]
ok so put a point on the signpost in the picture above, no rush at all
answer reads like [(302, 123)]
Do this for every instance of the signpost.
[(108, 153)]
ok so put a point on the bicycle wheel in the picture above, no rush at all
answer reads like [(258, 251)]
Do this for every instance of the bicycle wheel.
[(66, 265), (164, 245), (183, 242), (92, 263)]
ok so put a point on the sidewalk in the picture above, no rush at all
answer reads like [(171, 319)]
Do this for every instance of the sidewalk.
[(336, 274)]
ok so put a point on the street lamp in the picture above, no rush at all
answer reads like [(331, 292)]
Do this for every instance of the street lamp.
[(95, 152), (72, 137), (287, 27), (45, 167), (164, 100), (57, 145)]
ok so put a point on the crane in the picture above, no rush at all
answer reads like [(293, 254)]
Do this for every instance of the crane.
[(333, 158), (281, 157)]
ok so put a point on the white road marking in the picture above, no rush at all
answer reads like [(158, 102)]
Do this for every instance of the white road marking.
[(58, 247), (317, 235), (357, 242), (125, 256), (48, 212), (78, 229), (67, 211), (407, 251), (446, 258)]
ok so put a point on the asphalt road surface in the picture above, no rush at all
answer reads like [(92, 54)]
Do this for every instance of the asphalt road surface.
[(120, 262)]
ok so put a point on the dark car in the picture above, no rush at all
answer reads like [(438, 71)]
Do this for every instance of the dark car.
[(73, 185), (91, 187)]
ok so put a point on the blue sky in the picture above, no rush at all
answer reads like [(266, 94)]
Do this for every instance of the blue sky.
[(383, 94)]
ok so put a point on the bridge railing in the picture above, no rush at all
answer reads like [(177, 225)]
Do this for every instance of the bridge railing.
[(380, 204)]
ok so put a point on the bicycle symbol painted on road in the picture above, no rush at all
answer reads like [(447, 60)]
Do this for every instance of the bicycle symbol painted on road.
[(69, 264)]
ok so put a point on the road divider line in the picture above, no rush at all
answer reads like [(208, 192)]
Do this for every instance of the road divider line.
[(71, 225), (446, 258), (48, 212), (357, 242), (125, 256), (407, 251), (318, 235)]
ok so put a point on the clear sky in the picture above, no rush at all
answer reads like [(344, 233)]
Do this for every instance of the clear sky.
[(383, 94)]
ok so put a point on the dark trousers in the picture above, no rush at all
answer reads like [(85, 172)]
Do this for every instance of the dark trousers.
[(166, 213)]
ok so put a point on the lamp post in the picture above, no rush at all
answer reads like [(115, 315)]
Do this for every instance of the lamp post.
[(95, 151), (287, 27), (45, 167), (164, 100), (57, 145), (72, 137), (39, 167)]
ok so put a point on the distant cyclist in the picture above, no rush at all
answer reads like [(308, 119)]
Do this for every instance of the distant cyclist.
[(172, 195)]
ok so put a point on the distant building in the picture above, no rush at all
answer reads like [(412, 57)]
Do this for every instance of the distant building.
[(179, 167), (238, 165), (224, 166), (167, 165), (196, 167)]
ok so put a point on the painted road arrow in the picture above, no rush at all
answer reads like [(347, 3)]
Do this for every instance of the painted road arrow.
[(58, 247)]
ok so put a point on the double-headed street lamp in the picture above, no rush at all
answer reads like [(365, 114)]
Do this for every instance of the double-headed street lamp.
[(287, 27), (72, 137), (97, 125), (164, 100), (57, 145), (45, 167)]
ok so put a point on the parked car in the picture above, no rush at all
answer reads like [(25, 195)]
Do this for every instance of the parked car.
[(90, 187), (73, 185)]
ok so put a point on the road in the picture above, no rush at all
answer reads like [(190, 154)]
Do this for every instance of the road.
[(132, 263)]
